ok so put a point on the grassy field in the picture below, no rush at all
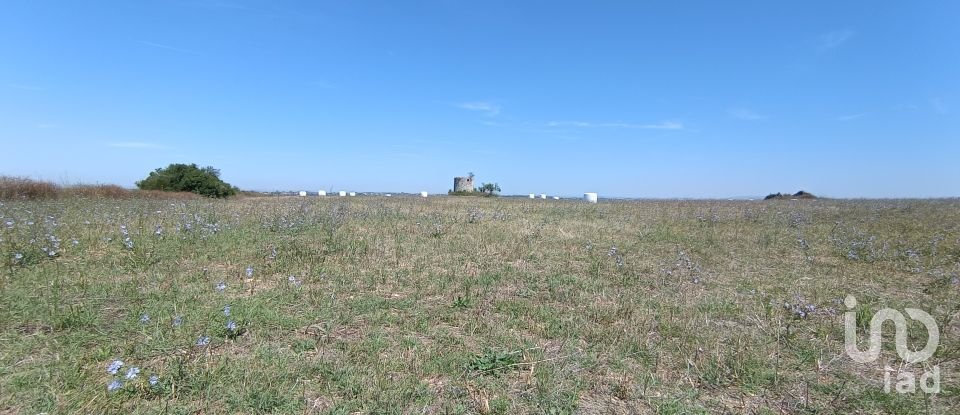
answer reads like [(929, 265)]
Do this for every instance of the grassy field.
[(467, 305)]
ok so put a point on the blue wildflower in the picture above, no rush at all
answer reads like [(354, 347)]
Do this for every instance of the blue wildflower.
[(232, 325), (250, 272), (293, 280), (226, 310), (114, 367), (114, 385), (203, 341), (221, 286), (144, 318), (17, 257), (177, 320), (154, 380), (132, 373)]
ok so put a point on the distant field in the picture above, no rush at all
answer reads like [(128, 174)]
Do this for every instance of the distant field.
[(468, 305)]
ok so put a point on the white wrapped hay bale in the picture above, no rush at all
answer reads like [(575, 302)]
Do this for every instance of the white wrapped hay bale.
[(303, 193), (533, 196), (590, 197), (543, 195), (353, 193), (556, 198), (322, 193), (424, 194), (343, 193)]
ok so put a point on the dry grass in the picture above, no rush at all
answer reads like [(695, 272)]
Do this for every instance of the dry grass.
[(468, 305), (18, 188), (21, 188)]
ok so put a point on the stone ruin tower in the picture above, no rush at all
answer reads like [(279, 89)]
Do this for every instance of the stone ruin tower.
[(463, 184)]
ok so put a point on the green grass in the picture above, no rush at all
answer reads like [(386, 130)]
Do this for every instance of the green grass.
[(467, 305)]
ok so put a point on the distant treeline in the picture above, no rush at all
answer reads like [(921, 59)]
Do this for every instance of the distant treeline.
[(799, 195)]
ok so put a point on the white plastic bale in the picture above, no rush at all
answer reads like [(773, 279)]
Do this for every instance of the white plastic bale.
[(556, 198), (343, 193), (533, 196), (543, 195), (424, 194), (590, 197), (322, 193), (353, 193), (303, 193)]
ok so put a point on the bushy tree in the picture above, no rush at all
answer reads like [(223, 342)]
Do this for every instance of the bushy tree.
[(490, 188), (188, 178)]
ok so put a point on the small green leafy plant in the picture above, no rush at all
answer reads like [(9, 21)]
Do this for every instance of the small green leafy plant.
[(491, 362)]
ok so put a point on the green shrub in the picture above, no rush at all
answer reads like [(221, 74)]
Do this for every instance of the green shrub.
[(188, 178)]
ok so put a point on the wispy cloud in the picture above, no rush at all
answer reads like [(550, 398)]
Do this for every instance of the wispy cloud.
[(939, 106), (745, 114), (834, 39), (167, 47), (223, 5), (851, 117), (908, 106), (488, 108), (136, 145), (665, 125), (26, 87), (322, 84), (405, 155)]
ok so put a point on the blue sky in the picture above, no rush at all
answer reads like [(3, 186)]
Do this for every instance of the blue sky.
[(634, 99)]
